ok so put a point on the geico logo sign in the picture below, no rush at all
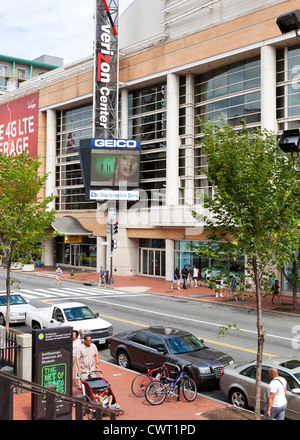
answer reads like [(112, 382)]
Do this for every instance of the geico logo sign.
[(116, 143)]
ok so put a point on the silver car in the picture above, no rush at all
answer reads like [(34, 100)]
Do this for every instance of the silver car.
[(238, 383)]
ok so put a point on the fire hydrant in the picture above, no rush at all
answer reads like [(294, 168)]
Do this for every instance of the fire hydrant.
[(72, 273)]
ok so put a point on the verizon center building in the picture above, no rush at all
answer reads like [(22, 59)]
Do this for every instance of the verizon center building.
[(177, 60)]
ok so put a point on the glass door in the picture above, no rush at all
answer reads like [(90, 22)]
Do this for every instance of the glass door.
[(75, 254), (152, 262)]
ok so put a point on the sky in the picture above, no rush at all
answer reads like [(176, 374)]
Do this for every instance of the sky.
[(61, 28)]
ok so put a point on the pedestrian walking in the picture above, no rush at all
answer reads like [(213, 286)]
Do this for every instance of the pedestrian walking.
[(58, 274), (275, 397), (195, 276), (87, 358), (233, 287), (176, 279), (207, 274), (190, 276), (76, 344), (275, 291), (102, 278), (184, 274), (219, 283)]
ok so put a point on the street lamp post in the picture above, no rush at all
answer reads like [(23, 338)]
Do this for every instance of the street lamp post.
[(289, 142)]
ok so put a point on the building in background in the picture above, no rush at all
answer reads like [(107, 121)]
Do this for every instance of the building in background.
[(14, 71), (178, 60)]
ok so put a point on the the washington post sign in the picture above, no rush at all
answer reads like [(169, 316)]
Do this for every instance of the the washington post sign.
[(106, 70)]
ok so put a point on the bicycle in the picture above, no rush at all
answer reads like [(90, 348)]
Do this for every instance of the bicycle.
[(157, 391), (140, 382)]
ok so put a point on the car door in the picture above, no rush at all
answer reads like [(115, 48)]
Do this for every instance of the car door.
[(56, 318), (265, 380), (137, 350), (157, 351)]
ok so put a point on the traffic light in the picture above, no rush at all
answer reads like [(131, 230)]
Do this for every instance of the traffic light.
[(108, 228), (113, 245), (115, 231)]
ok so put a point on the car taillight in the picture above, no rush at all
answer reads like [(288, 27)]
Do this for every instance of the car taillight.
[(222, 373), (111, 340)]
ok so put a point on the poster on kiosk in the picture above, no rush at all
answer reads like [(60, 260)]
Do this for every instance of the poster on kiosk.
[(52, 355)]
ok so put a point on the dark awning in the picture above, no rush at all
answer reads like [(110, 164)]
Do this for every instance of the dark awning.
[(69, 225)]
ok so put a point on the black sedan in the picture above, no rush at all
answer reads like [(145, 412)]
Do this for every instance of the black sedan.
[(155, 345)]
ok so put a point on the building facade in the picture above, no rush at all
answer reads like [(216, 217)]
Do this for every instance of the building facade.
[(179, 60)]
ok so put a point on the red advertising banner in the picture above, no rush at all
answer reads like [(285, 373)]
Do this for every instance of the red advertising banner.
[(19, 126)]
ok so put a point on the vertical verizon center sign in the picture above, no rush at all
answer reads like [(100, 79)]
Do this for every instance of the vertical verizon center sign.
[(105, 118), (19, 126)]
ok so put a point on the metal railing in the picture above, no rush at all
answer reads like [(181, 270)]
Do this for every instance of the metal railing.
[(8, 349), (8, 383)]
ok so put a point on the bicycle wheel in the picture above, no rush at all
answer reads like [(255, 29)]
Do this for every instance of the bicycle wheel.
[(189, 389), (155, 393), (139, 385)]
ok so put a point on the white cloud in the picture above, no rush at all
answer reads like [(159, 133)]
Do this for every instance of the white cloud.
[(63, 28)]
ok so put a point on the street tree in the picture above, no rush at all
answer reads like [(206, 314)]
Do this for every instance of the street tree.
[(254, 206), (24, 216)]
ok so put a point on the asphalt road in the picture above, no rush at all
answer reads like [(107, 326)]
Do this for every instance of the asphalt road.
[(134, 310)]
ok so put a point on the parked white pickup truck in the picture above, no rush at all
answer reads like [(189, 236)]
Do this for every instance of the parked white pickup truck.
[(73, 314)]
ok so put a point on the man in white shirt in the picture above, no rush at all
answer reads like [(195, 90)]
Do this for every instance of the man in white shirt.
[(277, 403)]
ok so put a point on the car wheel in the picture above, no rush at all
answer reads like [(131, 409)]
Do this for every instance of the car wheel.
[(123, 359), (2, 319), (238, 398)]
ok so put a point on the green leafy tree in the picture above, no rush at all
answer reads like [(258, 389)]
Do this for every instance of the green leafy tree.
[(24, 218), (255, 200)]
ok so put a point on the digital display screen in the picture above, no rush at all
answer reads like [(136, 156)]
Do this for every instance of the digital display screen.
[(115, 167)]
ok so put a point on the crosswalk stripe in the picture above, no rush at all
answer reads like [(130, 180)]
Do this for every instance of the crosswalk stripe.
[(81, 290), (68, 292), (30, 293)]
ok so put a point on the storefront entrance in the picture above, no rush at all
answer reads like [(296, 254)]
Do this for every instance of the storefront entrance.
[(152, 259), (80, 254)]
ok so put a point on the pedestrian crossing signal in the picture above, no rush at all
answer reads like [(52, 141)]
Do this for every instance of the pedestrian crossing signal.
[(115, 228)]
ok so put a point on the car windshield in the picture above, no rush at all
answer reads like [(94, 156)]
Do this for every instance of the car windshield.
[(79, 313), (14, 300), (184, 344)]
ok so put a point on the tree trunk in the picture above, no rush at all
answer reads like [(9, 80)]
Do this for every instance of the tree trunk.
[(260, 345), (295, 284)]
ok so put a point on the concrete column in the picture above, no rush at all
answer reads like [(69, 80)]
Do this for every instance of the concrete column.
[(24, 358), (189, 143), (51, 155), (169, 259), (124, 113), (268, 88), (172, 176), (48, 255)]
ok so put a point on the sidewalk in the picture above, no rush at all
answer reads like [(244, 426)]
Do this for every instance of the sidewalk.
[(120, 379), (134, 408)]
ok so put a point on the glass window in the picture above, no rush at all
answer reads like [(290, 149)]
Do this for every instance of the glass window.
[(147, 121), (72, 126), (156, 343), (139, 338)]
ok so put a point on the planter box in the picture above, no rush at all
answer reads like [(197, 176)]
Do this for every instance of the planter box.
[(28, 267), (16, 266)]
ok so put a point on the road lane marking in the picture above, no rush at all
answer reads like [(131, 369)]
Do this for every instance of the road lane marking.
[(184, 318), (210, 341)]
